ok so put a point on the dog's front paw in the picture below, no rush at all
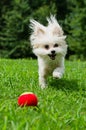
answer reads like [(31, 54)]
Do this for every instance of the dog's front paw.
[(42, 85), (57, 75)]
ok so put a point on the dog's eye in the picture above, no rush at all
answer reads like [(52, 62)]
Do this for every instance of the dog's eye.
[(46, 46), (56, 45)]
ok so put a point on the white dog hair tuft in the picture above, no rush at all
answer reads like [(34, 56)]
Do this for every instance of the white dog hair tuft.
[(54, 25), (52, 20), (36, 25)]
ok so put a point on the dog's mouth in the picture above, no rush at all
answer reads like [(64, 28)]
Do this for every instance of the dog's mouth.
[(52, 56)]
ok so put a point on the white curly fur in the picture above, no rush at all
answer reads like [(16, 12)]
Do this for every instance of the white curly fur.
[(49, 46)]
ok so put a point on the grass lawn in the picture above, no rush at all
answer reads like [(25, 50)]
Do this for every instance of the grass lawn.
[(61, 106)]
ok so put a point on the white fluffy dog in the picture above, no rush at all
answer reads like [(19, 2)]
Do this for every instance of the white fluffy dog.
[(49, 46)]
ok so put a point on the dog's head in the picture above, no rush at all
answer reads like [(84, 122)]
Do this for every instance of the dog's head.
[(48, 41)]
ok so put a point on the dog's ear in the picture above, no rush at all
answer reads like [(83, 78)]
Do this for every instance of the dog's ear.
[(54, 25), (38, 29), (57, 31)]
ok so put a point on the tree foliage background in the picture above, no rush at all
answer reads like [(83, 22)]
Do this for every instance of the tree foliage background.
[(15, 32)]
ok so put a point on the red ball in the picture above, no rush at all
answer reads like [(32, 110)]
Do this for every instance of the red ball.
[(27, 99)]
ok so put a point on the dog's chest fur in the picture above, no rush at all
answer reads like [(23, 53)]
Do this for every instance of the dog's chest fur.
[(48, 65)]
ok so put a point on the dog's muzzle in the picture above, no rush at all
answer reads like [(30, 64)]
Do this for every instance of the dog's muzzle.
[(52, 55)]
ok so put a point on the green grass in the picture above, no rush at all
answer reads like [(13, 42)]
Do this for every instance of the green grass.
[(61, 106)]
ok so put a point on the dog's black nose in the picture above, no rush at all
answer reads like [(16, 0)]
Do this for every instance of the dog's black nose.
[(53, 52)]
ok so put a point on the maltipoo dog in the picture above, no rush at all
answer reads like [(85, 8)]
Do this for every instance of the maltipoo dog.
[(49, 45)]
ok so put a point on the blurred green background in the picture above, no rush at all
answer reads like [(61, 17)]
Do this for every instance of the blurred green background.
[(15, 31)]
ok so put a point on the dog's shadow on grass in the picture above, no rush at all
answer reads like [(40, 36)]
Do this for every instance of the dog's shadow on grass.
[(64, 84)]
